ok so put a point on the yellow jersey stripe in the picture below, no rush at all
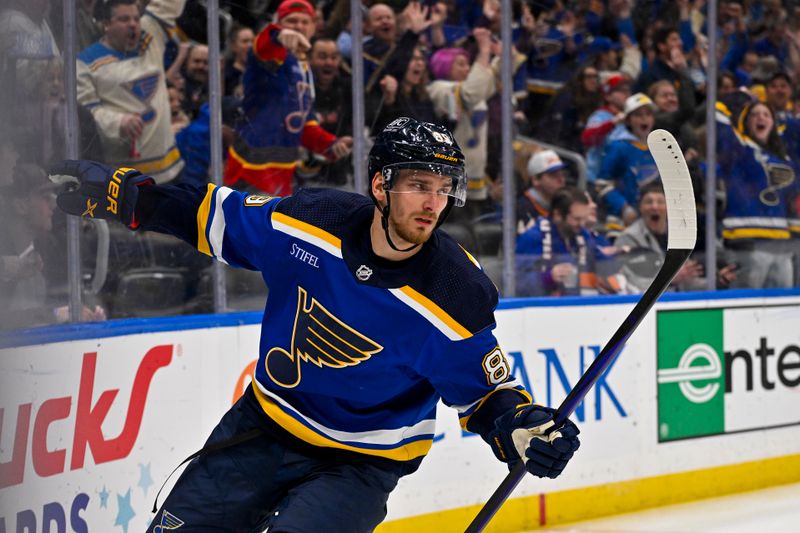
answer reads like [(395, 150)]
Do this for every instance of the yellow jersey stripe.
[(432, 312), (158, 165), (102, 61), (406, 452), (470, 257), (308, 233), (755, 233), (465, 419), (262, 166), (202, 220)]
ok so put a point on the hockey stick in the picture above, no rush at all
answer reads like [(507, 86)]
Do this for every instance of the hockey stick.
[(682, 232)]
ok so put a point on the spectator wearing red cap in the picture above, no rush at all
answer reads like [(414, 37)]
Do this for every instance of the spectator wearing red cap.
[(278, 106), (602, 122), (387, 53)]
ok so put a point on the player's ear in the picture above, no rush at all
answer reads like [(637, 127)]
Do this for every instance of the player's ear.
[(377, 187)]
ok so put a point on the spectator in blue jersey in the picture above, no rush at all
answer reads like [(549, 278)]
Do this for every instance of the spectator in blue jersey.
[(759, 179), (546, 176), (628, 164), (548, 41), (775, 42), (558, 256), (121, 80), (373, 316), (278, 106), (603, 122)]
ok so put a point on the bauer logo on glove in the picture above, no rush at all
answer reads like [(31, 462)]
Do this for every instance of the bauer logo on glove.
[(98, 190)]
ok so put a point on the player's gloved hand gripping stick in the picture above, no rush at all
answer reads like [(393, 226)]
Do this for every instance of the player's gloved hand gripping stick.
[(99, 191), (681, 236)]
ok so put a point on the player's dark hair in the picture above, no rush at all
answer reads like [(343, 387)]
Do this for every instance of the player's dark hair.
[(564, 198)]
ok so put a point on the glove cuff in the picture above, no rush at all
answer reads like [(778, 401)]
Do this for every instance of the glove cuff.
[(123, 191)]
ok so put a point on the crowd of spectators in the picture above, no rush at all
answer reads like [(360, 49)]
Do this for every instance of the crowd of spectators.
[(590, 79)]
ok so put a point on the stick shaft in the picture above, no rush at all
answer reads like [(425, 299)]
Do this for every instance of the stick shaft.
[(672, 264)]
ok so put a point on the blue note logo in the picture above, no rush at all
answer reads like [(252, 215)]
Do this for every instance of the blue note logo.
[(169, 522), (318, 338)]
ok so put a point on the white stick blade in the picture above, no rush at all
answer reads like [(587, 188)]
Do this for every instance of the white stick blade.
[(681, 209)]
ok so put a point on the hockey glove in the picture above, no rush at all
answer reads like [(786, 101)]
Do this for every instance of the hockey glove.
[(99, 191), (521, 433)]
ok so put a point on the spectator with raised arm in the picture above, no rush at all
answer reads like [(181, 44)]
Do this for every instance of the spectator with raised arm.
[(240, 41), (278, 106), (121, 80), (386, 53), (333, 103), (670, 64), (405, 97), (759, 181), (459, 96)]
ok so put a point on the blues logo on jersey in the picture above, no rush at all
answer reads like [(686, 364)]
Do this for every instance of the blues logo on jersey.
[(319, 338), (168, 522)]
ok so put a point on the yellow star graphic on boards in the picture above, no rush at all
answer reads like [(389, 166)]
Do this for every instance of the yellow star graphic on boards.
[(90, 207)]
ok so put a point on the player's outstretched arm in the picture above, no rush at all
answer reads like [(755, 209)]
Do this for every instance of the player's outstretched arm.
[(95, 190), (527, 432)]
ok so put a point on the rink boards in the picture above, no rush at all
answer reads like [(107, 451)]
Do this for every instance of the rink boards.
[(704, 400)]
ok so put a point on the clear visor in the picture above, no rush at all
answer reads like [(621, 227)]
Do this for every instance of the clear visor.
[(427, 178)]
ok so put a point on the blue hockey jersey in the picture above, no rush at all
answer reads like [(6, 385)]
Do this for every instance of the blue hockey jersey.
[(628, 165), (355, 350), (757, 185)]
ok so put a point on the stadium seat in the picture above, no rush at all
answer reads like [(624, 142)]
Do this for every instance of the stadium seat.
[(149, 292), (462, 234), (493, 267), (489, 237)]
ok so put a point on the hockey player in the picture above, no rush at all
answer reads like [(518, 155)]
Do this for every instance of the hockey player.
[(373, 316)]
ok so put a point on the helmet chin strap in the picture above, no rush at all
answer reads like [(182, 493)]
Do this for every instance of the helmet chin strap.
[(385, 224)]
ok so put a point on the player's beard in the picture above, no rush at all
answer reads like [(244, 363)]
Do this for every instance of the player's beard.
[(410, 234)]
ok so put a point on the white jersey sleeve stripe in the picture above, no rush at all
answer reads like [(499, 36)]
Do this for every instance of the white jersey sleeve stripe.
[(432, 313), (400, 444), (216, 232), (308, 233)]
